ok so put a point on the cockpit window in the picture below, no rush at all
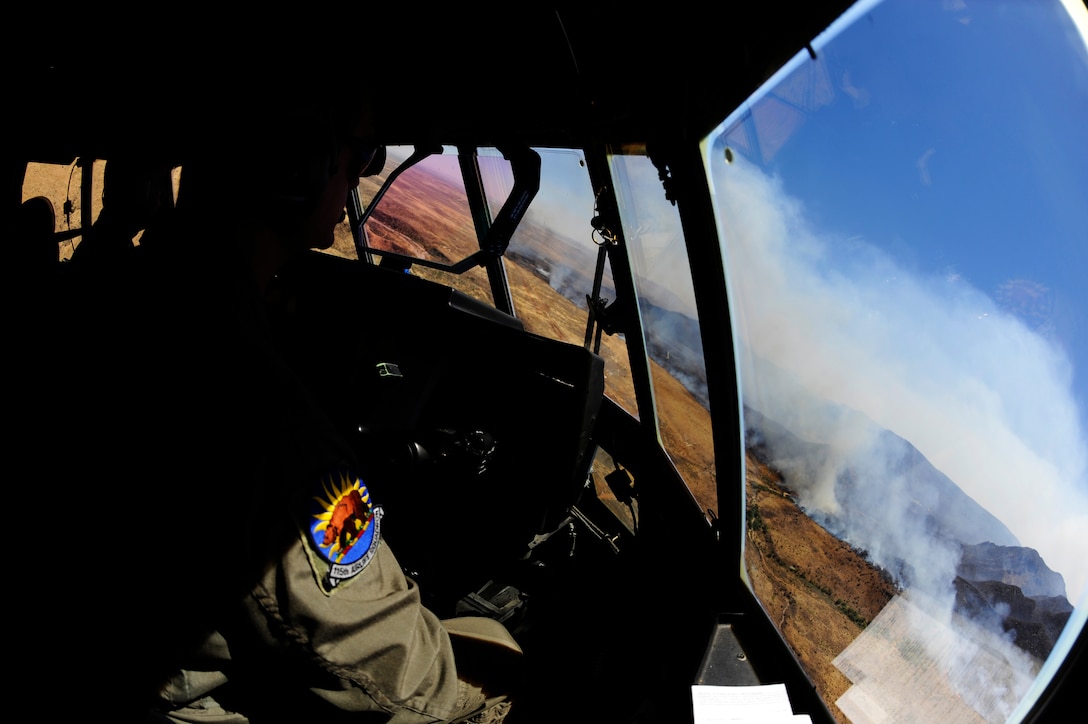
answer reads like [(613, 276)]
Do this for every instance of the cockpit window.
[(552, 265), (670, 323), (903, 216), (425, 215), (62, 184), (76, 192)]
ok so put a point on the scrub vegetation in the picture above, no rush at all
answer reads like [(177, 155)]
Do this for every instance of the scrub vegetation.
[(818, 590)]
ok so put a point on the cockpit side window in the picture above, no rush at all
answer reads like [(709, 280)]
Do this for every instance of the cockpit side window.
[(76, 190), (656, 248), (62, 184), (903, 220)]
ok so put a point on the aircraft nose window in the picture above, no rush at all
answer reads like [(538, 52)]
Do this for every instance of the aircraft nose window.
[(903, 219)]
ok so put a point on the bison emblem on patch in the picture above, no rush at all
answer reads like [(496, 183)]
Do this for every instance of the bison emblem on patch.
[(344, 526)]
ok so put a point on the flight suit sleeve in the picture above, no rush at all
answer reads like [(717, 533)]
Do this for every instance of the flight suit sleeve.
[(331, 628), (370, 642)]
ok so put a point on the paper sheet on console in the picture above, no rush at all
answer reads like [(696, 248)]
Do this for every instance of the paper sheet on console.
[(767, 704)]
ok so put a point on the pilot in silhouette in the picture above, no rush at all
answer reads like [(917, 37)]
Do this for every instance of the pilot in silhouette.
[(219, 557), (330, 624)]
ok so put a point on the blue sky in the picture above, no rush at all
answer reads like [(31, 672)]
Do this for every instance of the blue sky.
[(962, 149), (909, 235)]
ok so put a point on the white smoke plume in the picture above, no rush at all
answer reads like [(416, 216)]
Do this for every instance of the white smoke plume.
[(986, 398)]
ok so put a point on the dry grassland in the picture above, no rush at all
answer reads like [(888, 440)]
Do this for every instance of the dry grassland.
[(819, 592)]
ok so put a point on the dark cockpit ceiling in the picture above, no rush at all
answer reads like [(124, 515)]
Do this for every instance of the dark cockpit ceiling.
[(548, 76)]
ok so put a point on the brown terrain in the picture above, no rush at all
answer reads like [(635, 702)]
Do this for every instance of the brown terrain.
[(817, 590)]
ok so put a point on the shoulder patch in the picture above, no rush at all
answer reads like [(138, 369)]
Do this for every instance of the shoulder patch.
[(342, 529)]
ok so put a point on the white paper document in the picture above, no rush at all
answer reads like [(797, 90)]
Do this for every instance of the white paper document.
[(767, 704)]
